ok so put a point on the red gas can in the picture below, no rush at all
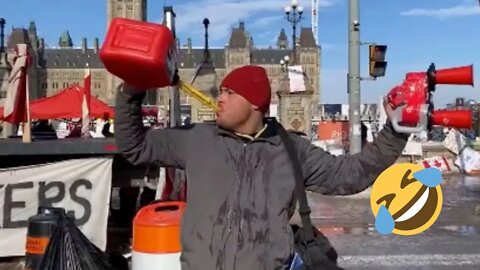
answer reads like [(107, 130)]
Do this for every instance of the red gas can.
[(143, 54)]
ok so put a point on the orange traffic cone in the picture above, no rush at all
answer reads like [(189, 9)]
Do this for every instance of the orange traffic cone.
[(457, 75), (452, 118)]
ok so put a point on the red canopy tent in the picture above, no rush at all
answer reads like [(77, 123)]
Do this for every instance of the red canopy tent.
[(67, 104)]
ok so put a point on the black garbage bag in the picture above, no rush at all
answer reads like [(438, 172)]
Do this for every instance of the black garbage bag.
[(70, 249)]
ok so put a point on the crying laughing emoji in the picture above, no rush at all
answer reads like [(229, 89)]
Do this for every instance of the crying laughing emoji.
[(406, 199)]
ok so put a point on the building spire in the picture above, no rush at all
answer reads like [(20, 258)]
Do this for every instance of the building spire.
[(282, 40), (65, 40)]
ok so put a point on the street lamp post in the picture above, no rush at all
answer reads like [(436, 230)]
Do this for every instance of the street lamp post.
[(284, 64), (354, 78), (283, 90), (294, 14), (206, 52), (2, 35)]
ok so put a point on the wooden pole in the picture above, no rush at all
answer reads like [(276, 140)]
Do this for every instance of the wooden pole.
[(27, 130)]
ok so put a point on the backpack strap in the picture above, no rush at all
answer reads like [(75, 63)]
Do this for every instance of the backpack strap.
[(304, 209)]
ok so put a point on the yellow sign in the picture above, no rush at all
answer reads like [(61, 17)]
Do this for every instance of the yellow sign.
[(406, 199)]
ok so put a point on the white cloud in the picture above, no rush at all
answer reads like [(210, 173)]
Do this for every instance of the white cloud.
[(330, 47), (224, 14), (444, 13)]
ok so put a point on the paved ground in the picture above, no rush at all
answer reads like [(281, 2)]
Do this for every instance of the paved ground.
[(453, 242)]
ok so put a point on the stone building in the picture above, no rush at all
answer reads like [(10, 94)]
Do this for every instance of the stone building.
[(57, 67), (54, 69)]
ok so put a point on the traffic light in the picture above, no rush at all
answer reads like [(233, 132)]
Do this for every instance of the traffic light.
[(378, 65)]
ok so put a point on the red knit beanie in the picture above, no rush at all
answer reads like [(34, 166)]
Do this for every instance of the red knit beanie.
[(251, 82)]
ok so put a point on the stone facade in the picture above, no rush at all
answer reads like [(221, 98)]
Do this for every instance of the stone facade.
[(295, 112), (56, 68), (131, 9)]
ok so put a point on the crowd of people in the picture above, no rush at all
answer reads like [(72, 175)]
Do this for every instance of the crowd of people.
[(72, 128)]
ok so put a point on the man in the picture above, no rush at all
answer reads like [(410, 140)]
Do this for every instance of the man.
[(44, 130), (364, 133), (240, 179), (106, 126)]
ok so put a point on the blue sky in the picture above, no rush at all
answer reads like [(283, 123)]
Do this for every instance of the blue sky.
[(417, 33)]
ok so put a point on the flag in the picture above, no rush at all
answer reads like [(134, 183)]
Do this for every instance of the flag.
[(172, 185), (86, 104), (16, 101)]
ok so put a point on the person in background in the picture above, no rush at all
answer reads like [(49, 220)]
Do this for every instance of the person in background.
[(364, 134), (44, 130), (106, 127)]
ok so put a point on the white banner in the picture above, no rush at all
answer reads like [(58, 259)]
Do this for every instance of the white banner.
[(81, 186), (296, 78)]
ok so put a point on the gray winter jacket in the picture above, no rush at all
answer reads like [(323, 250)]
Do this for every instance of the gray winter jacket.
[(239, 191)]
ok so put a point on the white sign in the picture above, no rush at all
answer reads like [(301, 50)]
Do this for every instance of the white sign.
[(382, 118), (413, 148), (337, 151), (469, 160), (454, 141), (296, 78), (80, 186)]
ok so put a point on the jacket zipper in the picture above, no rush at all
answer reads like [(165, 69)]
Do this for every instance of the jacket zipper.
[(240, 226), (239, 229)]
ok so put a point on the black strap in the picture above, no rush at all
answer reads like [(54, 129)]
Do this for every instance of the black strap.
[(303, 209)]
